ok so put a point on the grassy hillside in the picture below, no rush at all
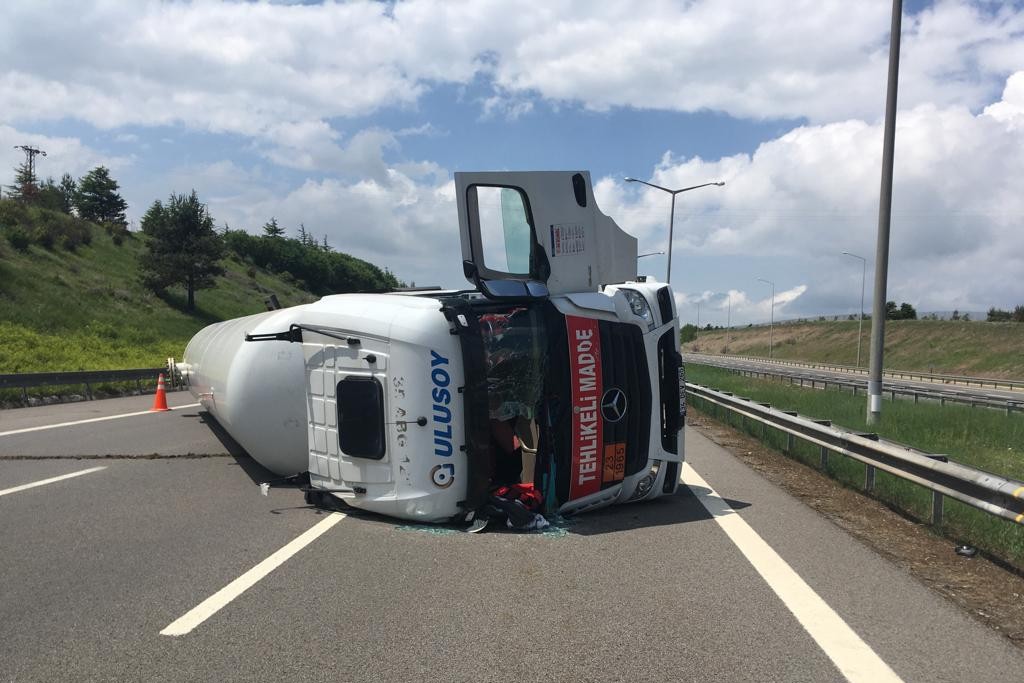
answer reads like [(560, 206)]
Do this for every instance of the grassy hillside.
[(969, 348), (86, 310)]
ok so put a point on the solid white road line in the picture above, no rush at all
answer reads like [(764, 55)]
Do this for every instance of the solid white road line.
[(44, 482), (852, 656), (92, 419), (207, 608)]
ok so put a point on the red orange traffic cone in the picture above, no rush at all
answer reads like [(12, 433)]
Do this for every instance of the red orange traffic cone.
[(160, 400)]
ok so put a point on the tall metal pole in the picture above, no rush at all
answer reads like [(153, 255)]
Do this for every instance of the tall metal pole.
[(771, 318), (671, 226), (698, 315), (672, 214), (884, 219), (860, 322)]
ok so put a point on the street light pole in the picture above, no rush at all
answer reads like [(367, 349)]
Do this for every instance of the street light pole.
[(771, 317), (698, 315), (884, 220), (672, 214), (860, 323), (653, 253)]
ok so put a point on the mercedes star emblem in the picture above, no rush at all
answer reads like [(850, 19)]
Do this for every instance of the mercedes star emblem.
[(613, 405)]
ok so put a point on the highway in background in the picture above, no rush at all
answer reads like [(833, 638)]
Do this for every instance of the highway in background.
[(957, 392), (96, 566)]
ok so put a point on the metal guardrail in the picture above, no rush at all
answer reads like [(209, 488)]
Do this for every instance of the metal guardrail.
[(941, 396), (993, 382), (24, 381), (982, 490)]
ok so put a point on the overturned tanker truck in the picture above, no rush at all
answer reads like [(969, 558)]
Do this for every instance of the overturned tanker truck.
[(559, 369)]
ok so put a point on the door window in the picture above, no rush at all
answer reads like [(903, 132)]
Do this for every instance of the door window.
[(504, 228)]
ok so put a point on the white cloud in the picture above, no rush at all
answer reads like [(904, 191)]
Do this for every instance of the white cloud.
[(63, 154), (792, 206), (280, 76), (735, 306), (253, 69), (1010, 110), (812, 193), (404, 220)]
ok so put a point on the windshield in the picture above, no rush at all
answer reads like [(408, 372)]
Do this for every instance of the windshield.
[(515, 360)]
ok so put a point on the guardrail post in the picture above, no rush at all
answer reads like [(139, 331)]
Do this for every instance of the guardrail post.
[(937, 508), (24, 395), (823, 458), (88, 391), (869, 478), (915, 397)]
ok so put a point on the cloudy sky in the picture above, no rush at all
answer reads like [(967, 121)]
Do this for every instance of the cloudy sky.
[(351, 118)]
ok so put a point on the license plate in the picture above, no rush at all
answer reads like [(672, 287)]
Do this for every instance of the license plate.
[(682, 391)]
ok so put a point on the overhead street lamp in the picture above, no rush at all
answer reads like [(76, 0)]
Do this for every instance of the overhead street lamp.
[(672, 214), (653, 253), (860, 324), (771, 317)]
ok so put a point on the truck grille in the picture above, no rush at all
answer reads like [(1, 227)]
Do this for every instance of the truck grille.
[(624, 365)]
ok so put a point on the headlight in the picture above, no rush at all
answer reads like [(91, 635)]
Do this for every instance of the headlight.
[(638, 304), (644, 486)]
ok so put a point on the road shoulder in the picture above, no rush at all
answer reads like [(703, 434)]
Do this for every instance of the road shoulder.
[(984, 589)]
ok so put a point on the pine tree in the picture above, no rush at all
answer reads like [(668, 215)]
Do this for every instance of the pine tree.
[(97, 199), (68, 188), (25, 186), (272, 229), (184, 247)]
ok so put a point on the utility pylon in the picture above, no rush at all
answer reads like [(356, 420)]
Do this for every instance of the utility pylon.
[(30, 157)]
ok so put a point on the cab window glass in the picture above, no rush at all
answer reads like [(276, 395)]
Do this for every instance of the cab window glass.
[(505, 236), (361, 417)]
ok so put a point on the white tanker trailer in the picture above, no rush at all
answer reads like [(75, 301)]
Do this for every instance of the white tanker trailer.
[(559, 370)]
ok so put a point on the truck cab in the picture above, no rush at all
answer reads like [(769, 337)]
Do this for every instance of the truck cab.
[(559, 369)]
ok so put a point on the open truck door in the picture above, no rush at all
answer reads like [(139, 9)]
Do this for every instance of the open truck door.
[(531, 233)]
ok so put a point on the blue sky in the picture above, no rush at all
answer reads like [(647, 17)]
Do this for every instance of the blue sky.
[(351, 118)]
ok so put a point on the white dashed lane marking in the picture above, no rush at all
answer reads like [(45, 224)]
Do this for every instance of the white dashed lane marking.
[(213, 604), (44, 482)]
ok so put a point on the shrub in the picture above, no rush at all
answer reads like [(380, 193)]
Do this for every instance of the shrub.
[(18, 238), (12, 213)]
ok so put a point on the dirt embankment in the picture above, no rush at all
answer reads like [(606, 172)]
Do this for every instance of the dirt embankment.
[(945, 346)]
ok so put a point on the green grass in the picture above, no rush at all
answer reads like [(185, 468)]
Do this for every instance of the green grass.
[(944, 346), (87, 310), (986, 439)]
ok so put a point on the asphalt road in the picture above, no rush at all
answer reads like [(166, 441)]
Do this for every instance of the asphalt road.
[(95, 566)]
